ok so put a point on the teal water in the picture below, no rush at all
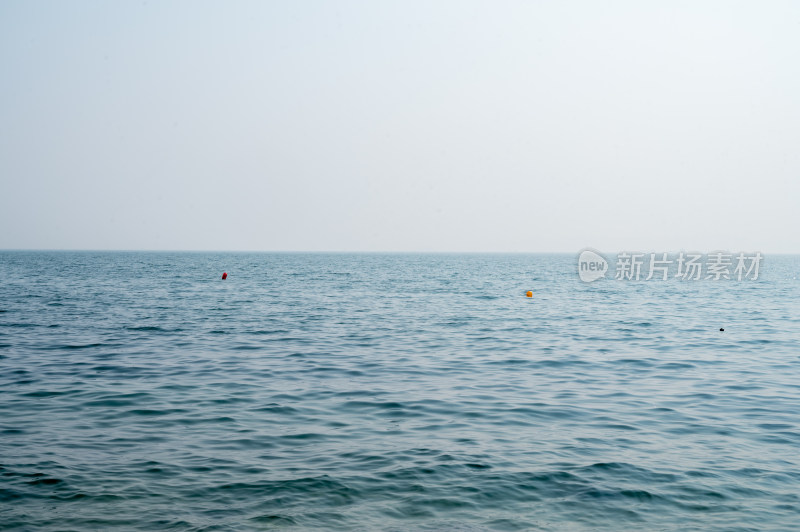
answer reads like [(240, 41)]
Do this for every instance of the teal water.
[(138, 391)]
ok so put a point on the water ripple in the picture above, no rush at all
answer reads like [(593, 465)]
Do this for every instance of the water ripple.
[(391, 392)]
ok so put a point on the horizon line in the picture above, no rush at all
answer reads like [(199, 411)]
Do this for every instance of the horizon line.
[(287, 251)]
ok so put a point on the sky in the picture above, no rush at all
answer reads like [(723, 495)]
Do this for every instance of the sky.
[(400, 126)]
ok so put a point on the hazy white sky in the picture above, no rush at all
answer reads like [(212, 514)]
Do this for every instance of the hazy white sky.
[(427, 126)]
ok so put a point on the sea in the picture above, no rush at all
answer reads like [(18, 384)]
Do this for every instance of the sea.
[(391, 391)]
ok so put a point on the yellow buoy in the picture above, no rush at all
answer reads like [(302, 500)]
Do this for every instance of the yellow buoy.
[(529, 293)]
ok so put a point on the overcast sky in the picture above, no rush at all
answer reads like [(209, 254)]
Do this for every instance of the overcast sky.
[(408, 126)]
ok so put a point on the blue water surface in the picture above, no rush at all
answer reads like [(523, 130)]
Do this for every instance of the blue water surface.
[(139, 391)]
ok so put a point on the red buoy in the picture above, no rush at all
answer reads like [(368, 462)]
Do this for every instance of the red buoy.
[(224, 276)]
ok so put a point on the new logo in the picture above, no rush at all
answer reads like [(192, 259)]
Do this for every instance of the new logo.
[(591, 266)]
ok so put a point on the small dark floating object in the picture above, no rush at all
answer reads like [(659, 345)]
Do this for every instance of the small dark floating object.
[(721, 329)]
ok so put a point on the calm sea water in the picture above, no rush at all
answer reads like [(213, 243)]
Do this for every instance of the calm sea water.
[(392, 392)]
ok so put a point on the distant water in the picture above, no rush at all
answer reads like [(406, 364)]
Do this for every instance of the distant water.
[(138, 391)]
